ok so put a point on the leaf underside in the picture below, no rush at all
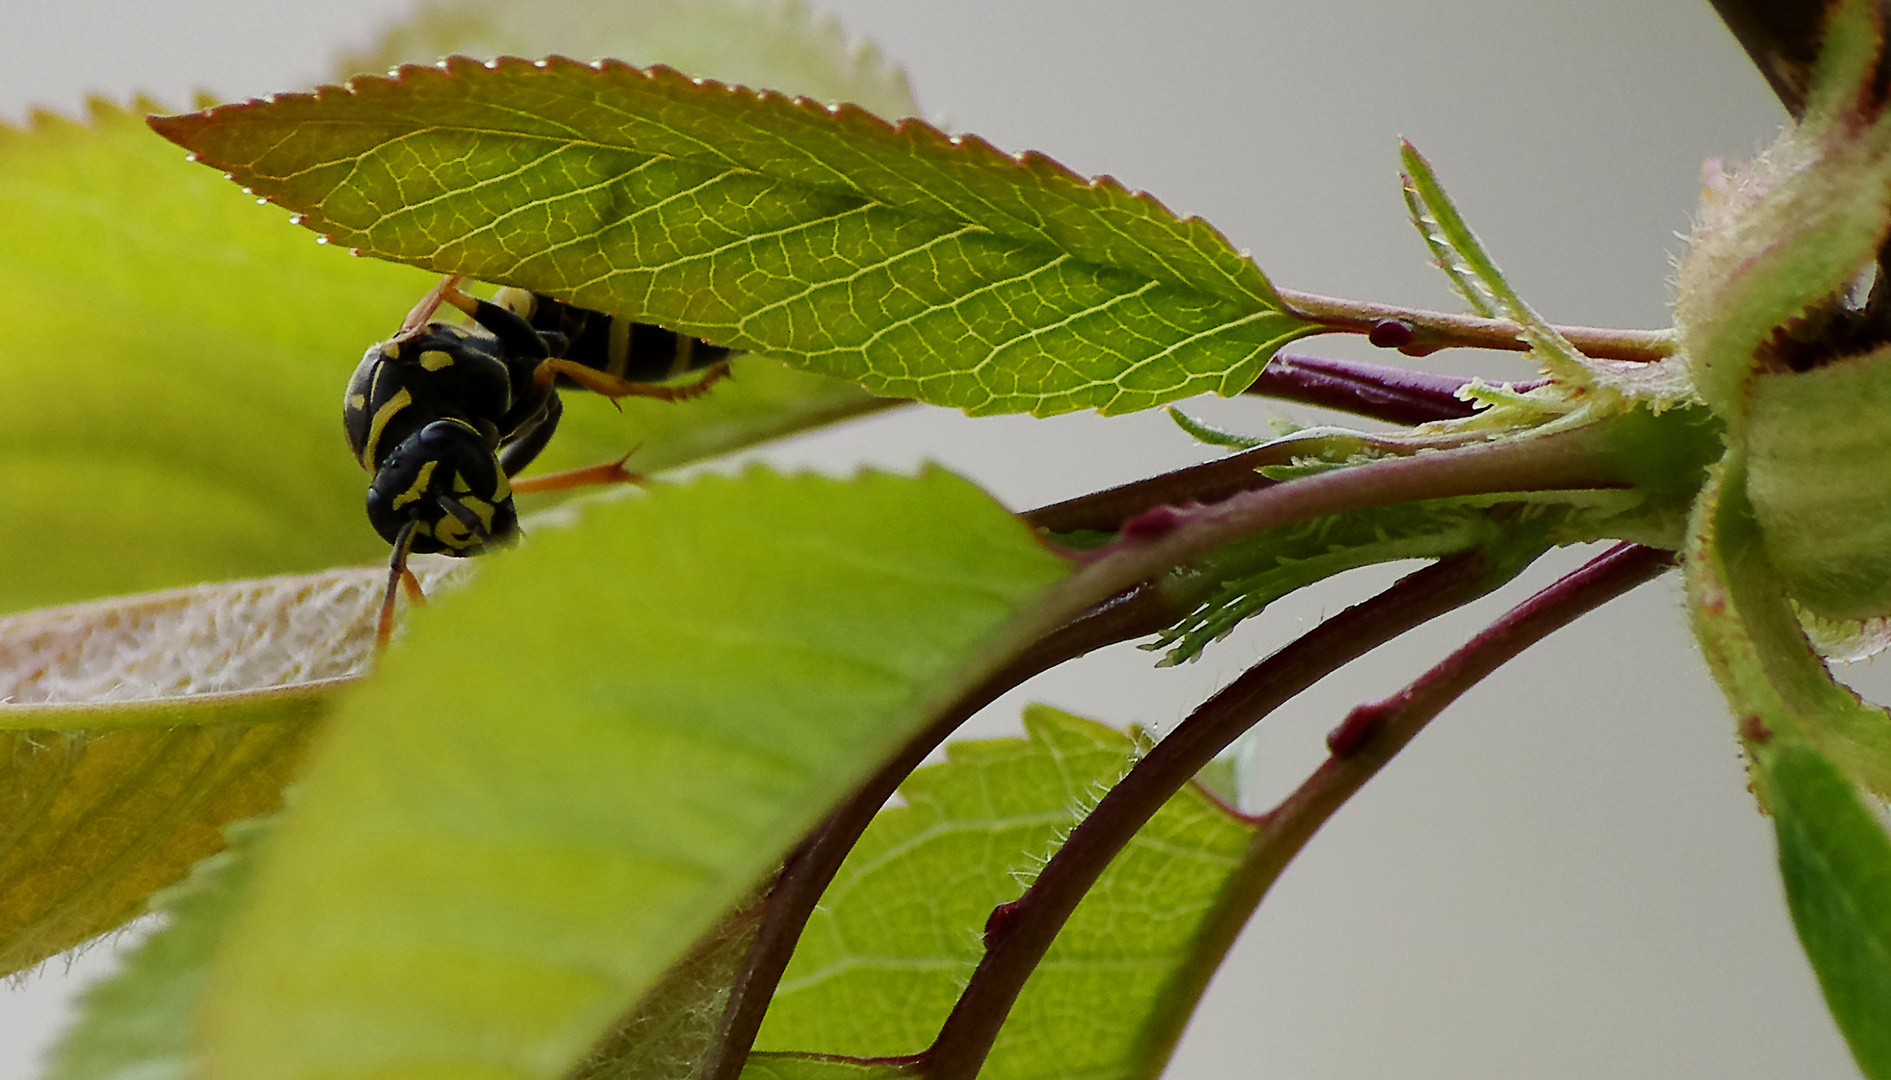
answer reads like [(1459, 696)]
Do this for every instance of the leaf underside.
[(134, 730), (916, 264)]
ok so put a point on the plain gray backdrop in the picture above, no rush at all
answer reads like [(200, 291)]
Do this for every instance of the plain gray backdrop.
[(1564, 877)]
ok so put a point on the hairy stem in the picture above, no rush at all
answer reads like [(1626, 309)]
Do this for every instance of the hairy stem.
[(1018, 934), (1415, 332), (1364, 743)]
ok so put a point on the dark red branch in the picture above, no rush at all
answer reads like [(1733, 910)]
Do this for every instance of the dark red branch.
[(1379, 391), (1369, 737), (1019, 933), (1416, 332), (1135, 613)]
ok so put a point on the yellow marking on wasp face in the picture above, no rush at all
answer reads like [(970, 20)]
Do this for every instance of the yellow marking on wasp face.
[(391, 350), (617, 357), (357, 402), (419, 488), (379, 424), (435, 359), (481, 509), (453, 533)]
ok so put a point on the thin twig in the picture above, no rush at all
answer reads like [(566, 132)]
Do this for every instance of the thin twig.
[(1574, 459), (1363, 743), (1018, 934), (1416, 332)]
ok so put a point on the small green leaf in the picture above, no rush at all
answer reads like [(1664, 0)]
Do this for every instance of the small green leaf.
[(511, 833), (1242, 579), (1472, 271), (137, 1024), (918, 265), (783, 46), (1835, 860), (897, 933)]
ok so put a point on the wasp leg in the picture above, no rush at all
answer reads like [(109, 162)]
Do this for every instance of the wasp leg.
[(508, 326), (397, 576), (422, 312), (613, 387), (608, 472)]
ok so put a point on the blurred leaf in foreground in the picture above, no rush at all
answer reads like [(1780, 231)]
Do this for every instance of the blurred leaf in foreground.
[(507, 838)]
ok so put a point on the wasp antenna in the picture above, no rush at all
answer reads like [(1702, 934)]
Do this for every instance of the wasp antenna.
[(397, 573)]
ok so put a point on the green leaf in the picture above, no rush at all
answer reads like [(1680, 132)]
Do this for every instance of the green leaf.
[(1835, 860), (134, 730), (512, 832), (1242, 579), (898, 932), (784, 46), (137, 1024), (918, 265)]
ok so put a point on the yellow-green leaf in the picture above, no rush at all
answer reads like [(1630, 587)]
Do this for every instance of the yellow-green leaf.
[(919, 265), (572, 771)]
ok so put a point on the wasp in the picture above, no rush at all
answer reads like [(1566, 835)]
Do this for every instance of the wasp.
[(442, 416)]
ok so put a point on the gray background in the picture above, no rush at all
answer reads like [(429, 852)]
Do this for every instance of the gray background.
[(1565, 877)]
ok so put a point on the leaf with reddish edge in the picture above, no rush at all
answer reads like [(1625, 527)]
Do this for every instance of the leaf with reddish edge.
[(919, 265)]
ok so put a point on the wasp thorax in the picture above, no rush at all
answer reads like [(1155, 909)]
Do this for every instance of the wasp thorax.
[(1818, 448)]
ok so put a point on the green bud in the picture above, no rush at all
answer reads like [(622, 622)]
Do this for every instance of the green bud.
[(1778, 242)]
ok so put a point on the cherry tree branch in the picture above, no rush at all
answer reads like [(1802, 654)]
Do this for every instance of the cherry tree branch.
[(1416, 332), (1018, 934), (1370, 736)]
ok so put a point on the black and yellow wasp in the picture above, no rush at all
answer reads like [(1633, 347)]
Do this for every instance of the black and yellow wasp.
[(441, 416)]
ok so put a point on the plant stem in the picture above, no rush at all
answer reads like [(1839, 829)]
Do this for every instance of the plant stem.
[(1570, 463), (1128, 575), (1425, 332), (1166, 536), (1379, 391), (1018, 934), (1134, 613), (1364, 743)]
